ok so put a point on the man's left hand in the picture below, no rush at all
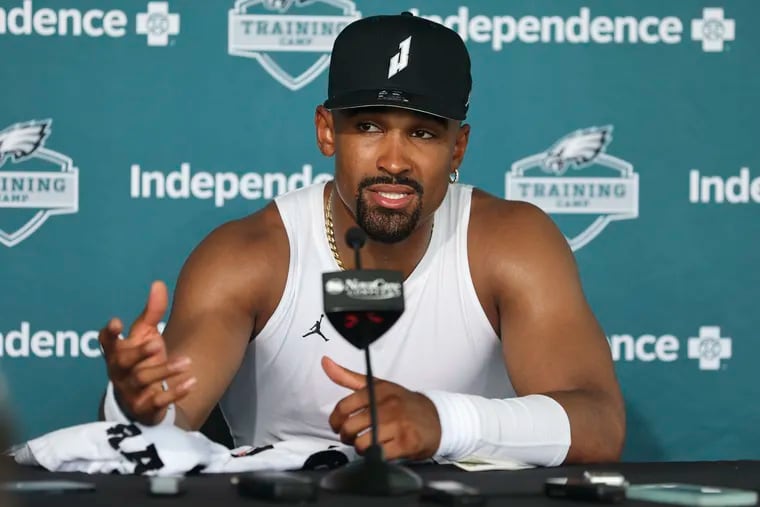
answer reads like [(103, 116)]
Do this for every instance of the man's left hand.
[(407, 426)]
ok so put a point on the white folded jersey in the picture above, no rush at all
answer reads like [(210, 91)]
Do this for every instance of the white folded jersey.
[(165, 450)]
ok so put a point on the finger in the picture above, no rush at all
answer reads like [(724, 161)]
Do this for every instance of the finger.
[(344, 408), (157, 351), (393, 449), (109, 334), (343, 376), (125, 356), (145, 376), (155, 308), (176, 393), (156, 399), (115, 327), (354, 425), (357, 401), (385, 433)]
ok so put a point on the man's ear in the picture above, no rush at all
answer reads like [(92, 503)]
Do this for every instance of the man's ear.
[(460, 145), (325, 130)]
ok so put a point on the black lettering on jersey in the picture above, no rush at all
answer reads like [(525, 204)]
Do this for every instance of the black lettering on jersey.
[(121, 431), (144, 460)]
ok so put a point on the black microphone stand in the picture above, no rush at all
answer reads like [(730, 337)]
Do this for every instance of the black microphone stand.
[(371, 475), (376, 450)]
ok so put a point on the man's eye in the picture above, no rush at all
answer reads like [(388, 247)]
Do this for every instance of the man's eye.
[(368, 127), (424, 134)]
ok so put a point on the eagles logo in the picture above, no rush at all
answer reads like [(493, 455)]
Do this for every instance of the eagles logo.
[(21, 140), (284, 5), (577, 150)]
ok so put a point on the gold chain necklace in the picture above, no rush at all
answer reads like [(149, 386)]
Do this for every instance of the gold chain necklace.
[(330, 230), (331, 233)]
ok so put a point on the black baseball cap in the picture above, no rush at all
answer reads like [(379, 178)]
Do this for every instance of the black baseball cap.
[(400, 61)]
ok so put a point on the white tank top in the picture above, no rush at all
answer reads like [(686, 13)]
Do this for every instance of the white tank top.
[(442, 341)]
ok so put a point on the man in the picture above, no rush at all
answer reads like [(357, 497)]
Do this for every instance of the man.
[(6, 437), (497, 354)]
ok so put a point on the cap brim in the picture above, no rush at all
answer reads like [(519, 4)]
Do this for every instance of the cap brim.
[(395, 98)]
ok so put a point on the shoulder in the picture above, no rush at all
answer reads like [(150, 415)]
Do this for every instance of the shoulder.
[(255, 237), (241, 259), (516, 228), (518, 245)]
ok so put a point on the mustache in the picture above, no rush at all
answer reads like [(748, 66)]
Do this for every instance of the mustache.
[(391, 180)]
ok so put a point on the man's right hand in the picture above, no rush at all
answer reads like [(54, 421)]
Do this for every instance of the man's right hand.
[(139, 365)]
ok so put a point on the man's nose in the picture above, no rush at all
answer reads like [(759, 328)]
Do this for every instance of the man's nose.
[(393, 158)]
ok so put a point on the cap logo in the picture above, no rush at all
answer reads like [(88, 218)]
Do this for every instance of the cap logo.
[(400, 60)]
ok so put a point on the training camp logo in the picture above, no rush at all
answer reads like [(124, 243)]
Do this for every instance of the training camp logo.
[(291, 39), (46, 185), (577, 182), (157, 24), (713, 29)]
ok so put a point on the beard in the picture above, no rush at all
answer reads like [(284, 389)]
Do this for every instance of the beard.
[(387, 225)]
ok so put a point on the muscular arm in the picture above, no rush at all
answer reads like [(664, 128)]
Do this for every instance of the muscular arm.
[(552, 343), (225, 292)]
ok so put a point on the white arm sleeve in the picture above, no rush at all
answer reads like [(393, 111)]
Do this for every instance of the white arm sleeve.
[(531, 429), (113, 413)]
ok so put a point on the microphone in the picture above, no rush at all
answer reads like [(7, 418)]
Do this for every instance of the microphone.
[(362, 304), (356, 237)]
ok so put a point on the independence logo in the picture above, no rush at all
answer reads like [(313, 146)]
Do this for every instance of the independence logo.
[(157, 24), (291, 39), (578, 183), (712, 30), (710, 349)]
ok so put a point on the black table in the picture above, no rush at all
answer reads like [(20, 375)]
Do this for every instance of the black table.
[(513, 488)]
